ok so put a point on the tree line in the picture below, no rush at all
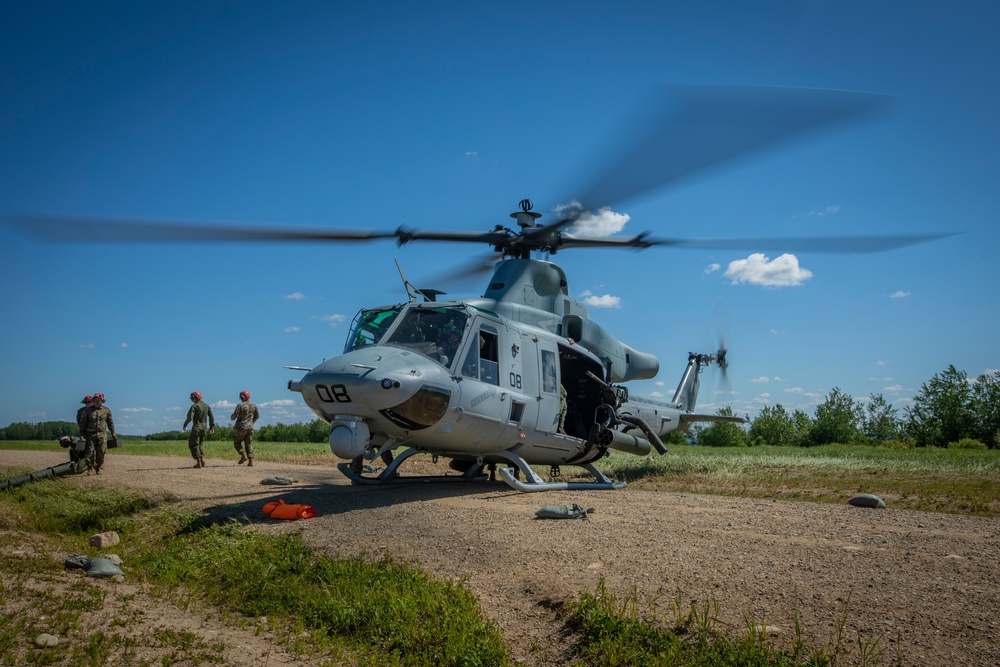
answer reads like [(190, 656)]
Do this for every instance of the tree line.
[(315, 431), (949, 411)]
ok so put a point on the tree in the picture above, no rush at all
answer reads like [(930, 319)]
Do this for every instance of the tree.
[(941, 412), (722, 434), (773, 426), (803, 425), (38, 430), (837, 420), (985, 409), (880, 422)]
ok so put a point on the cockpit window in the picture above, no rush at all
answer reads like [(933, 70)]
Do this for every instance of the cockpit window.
[(370, 326), (433, 332)]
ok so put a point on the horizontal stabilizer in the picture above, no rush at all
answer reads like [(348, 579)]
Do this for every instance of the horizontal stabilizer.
[(689, 418)]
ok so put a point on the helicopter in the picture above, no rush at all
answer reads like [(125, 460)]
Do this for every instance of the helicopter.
[(522, 376), (518, 377)]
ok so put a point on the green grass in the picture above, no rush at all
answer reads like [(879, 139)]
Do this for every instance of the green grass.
[(615, 633)]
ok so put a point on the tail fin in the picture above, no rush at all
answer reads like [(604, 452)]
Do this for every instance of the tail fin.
[(686, 396)]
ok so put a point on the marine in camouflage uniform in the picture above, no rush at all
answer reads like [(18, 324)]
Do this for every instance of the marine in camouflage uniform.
[(75, 455), (245, 415), (95, 423), (196, 416)]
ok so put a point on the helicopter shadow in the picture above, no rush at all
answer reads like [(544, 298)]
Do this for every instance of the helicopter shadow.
[(329, 499)]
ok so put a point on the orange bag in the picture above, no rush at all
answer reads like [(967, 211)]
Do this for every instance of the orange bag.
[(282, 510)]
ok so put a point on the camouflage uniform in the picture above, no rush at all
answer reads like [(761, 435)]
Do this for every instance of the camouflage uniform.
[(74, 455), (196, 416), (96, 422), (562, 409), (245, 415)]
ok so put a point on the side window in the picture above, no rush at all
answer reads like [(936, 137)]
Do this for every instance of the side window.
[(470, 367), (489, 355), (549, 383)]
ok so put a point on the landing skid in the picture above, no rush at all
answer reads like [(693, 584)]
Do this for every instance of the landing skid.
[(535, 483), (390, 476), (532, 482)]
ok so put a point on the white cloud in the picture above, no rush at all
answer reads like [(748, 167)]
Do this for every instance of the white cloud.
[(291, 329), (294, 296), (783, 271), (778, 379), (134, 410), (795, 390), (86, 345), (895, 387), (712, 268), (606, 301), (124, 344), (603, 223), (829, 210), (881, 363), (473, 155), (761, 380), (281, 402), (899, 295), (334, 320)]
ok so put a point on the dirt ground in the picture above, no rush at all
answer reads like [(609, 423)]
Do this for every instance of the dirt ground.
[(926, 585)]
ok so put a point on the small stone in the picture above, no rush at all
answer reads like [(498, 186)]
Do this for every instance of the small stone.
[(104, 540), (867, 500), (45, 640), (114, 558)]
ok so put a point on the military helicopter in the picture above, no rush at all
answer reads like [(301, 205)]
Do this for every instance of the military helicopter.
[(522, 376)]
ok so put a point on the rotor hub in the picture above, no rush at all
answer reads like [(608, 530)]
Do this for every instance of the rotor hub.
[(525, 217)]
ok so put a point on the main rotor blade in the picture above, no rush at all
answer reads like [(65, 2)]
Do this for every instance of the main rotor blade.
[(476, 267), (72, 229), (833, 244), (690, 129)]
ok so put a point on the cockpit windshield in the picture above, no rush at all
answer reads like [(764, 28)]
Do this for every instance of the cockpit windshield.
[(433, 332), (370, 326)]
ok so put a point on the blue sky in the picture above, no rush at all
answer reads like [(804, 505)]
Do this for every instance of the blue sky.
[(444, 115)]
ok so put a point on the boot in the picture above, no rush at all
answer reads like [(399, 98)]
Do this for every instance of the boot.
[(201, 462), (249, 463), (243, 459), (197, 463)]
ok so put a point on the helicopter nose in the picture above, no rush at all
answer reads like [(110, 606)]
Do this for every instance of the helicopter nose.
[(399, 385)]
